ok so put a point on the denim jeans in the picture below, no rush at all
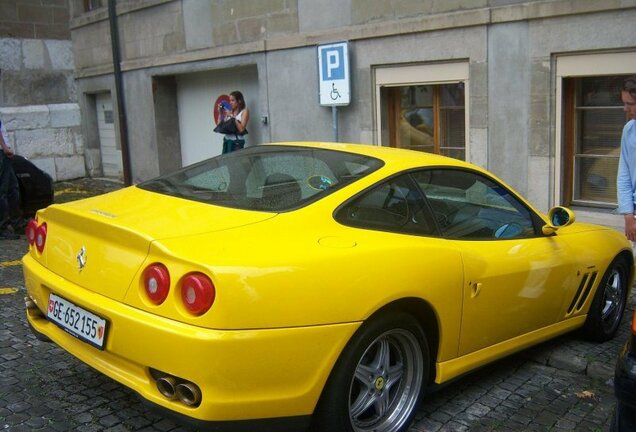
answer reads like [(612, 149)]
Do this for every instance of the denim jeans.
[(9, 193)]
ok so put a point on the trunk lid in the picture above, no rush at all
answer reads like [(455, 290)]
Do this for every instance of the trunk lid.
[(100, 243)]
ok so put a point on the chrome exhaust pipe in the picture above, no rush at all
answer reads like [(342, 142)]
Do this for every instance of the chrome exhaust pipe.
[(167, 387), (189, 393), (29, 303)]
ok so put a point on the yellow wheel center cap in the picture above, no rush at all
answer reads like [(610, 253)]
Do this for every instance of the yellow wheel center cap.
[(379, 383)]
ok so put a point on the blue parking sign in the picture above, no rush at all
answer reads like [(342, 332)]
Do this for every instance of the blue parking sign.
[(333, 70), (333, 65)]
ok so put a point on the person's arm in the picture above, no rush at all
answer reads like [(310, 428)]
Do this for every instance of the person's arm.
[(241, 125), (625, 190), (5, 146)]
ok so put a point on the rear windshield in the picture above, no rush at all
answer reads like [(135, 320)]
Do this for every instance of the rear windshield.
[(265, 178)]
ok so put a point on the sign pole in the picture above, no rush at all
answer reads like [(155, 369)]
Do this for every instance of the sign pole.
[(334, 88), (334, 122)]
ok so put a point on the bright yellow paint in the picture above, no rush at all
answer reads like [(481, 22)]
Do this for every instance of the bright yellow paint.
[(10, 263), (8, 291), (293, 288)]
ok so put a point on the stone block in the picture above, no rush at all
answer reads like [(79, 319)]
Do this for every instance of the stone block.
[(45, 142), (35, 87), (60, 53), (567, 360), (47, 165), (254, 8), (600, 370), (33, 54), (65, 115), (251, 29), (25, 117), (282, 23), (71, 167), (311, 14), (10, 54), (34, 13)]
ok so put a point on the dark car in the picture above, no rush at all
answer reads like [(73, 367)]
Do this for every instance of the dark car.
[(36, 186), (625, 386)]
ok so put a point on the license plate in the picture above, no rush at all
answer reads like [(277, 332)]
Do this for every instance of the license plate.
[(77, 321)]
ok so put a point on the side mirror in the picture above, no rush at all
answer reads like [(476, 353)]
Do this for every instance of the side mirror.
[(558, 217)]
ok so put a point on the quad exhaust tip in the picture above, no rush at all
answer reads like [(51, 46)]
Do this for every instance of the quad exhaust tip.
[(174, 388)]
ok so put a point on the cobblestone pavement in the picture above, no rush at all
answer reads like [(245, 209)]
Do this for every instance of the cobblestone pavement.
[(562, 385)]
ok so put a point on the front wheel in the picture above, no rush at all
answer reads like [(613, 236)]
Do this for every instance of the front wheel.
[(606, 311), (378, 379)]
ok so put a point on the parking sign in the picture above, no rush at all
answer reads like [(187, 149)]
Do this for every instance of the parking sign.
[(333, 69)]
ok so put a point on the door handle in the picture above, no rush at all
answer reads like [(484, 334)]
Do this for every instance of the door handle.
[(475, 289)]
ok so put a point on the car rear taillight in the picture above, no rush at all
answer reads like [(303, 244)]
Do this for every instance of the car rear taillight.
[(40, 237), (197, 293), (31, 229), (157, 282), (634, 324)]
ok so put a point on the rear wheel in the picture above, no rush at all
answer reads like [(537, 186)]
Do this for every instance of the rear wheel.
[(378, 380), (606, 311)]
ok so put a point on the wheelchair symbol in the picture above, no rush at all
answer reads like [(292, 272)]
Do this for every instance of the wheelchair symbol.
[(334, 92)]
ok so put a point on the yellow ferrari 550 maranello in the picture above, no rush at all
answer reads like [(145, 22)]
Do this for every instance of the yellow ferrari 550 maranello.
[(306, 285)]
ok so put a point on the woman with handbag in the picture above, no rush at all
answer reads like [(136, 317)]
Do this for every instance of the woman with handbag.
[(234, 123)]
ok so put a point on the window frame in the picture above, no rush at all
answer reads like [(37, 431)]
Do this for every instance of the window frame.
[(388, 76), (577, 66)]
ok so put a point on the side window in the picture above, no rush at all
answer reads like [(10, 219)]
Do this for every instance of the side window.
[(468, 205), (395, 205)]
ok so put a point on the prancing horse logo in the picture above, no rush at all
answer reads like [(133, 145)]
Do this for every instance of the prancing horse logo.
[(81, 259)]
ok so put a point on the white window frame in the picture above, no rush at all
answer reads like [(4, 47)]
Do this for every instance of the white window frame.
[(576, 66), (423, 74)]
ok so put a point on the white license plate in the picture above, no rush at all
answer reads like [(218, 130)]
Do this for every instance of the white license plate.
[(77, 321)]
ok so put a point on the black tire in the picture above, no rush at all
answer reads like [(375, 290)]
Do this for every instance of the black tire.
[(608, 306), (378, 380)]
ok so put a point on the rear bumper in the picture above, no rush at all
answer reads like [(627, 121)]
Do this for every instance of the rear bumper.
[(270, 375)]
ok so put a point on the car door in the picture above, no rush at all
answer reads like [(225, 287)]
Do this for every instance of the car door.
[(516, 280)]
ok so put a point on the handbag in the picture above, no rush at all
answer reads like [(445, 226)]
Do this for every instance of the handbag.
[(228, 127)]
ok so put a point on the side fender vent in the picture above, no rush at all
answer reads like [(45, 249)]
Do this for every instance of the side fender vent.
[(583, 292)]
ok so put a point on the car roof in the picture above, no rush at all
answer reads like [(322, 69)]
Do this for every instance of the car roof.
[(397, 158)]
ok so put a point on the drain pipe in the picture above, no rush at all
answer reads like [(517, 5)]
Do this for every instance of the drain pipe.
[(121, 108)]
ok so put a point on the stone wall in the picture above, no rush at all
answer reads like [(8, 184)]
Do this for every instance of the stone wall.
[(34, 19), (38, 104), (49, 135)]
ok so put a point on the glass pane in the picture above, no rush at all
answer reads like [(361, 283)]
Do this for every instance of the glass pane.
[(416, 96), (265, 178), (595, 179), (452, 131), (452, 95), (455, 153), (600, 91), (395, 205), (417, 124), (416, 118), (471, 206), (599, 131)]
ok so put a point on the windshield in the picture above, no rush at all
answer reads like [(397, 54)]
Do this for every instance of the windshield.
[(265, 178)]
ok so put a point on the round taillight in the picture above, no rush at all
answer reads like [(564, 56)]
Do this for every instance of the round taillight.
[(157, 282), (40, 237), (31, 229), (197, 293)]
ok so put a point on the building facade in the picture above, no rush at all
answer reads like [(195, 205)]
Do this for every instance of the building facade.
[(38, 98), (528, 89)]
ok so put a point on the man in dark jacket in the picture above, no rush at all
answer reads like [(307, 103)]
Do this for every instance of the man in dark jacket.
[(10, 214)]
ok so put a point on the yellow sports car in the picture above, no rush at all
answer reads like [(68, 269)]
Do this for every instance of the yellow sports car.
[(296, 285)]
